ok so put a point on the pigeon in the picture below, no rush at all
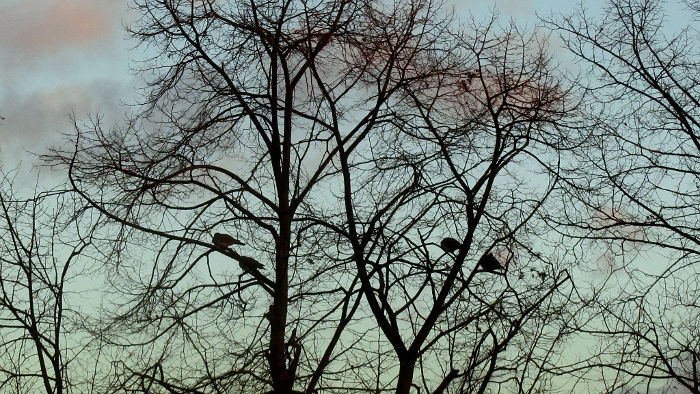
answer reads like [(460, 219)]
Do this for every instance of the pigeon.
[(450, 245), (223, 241), (249, 264), (489, 263)]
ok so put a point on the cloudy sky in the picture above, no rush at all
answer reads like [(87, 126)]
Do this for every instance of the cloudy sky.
[(72, 56), (57, 57)]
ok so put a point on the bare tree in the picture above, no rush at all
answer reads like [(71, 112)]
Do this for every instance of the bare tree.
[(42, 241), (326, 149), (247, 108), (458, 166), (633, 193)]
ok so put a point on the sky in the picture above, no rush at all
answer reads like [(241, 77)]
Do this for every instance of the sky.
[(72, 56)]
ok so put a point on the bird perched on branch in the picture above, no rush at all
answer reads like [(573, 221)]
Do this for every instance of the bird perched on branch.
[(223, 241), (249, 264), (489, 263), (450, 245)]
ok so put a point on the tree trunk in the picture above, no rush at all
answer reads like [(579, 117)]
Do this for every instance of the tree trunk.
[(405, 376), (281, 381)]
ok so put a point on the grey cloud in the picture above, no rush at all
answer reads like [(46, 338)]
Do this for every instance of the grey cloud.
[(35, 121)]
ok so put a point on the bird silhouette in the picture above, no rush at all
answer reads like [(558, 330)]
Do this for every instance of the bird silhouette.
[(249, 264), (489, 263), (450, 245), (223, 241)]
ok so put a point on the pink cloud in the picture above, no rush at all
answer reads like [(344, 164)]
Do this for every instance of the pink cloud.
[(38, 27)]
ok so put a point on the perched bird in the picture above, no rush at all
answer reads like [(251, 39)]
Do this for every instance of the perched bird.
[(249, 264), (223, 241), (450, 245), (489, 263)]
